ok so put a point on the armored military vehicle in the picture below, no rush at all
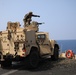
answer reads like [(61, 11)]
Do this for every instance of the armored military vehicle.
[(19, 43)]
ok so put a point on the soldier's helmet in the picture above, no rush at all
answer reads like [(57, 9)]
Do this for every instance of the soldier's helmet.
[(30, 12)]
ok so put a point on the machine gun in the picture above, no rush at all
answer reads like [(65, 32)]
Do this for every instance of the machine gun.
[(36, 23), (33, 26)]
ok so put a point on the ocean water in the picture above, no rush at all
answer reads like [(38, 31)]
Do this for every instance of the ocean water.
[(66, 45)]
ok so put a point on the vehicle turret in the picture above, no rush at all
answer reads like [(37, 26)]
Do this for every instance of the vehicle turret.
[(33, 26)]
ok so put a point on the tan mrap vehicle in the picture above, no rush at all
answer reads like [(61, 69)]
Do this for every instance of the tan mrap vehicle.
[(17, 44)]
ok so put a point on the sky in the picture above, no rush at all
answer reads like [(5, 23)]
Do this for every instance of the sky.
[(59, 16)]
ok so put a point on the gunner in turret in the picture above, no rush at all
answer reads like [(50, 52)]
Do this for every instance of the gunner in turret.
[(27, 18)]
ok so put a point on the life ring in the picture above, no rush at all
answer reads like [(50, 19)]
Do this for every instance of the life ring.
[(69, 54)]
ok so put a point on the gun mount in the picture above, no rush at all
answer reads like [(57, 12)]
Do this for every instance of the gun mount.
[(33, 26)]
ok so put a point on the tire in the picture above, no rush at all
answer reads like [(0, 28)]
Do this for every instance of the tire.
[(6, 63), (55, 57), (33, 59)]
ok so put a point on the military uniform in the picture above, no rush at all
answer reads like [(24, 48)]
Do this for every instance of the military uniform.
[(27, 18)]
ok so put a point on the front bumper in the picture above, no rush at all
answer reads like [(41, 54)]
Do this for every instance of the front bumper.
[(11, 57)]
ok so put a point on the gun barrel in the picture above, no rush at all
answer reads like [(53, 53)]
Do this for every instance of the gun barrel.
[(40, 23)]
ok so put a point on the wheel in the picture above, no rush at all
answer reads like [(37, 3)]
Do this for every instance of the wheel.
[(33, 59), (56, 54), (6, 63)]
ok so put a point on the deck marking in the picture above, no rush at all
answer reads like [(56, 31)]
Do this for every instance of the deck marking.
[(12, 71)]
